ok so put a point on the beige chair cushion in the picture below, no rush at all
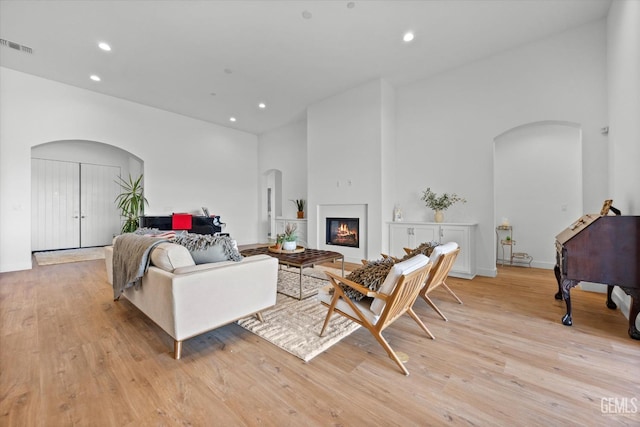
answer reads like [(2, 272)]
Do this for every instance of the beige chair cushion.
[(169, 256), (441, 250), (404, 267), (325, 294)]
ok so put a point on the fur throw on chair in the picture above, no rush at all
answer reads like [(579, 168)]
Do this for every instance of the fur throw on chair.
[(371, 276)]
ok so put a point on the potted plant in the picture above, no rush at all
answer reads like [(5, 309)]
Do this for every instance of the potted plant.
[(279, 240), (131, 202), (290, 237), (441, 203), (300, 205)]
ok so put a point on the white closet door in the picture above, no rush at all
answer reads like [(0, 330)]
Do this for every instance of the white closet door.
[(55, 215), (100, 218)]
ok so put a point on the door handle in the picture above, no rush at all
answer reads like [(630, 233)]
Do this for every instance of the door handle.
[(75, 216)]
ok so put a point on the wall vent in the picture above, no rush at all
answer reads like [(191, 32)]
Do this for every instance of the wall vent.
[(16, 46)]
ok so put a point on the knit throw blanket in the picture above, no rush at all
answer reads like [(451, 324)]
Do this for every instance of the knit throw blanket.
[(131, 258)]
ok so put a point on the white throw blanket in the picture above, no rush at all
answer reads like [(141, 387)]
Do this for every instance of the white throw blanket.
[(131, 258)]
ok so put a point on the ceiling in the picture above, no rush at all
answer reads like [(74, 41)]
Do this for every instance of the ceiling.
[(212, 60)]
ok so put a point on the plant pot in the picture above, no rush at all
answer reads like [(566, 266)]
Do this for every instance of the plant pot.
[(289, 246), (300, 214), (438, 216)]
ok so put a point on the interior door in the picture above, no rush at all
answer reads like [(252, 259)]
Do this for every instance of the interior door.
[(72, 204), (99, 216), (55, 215)]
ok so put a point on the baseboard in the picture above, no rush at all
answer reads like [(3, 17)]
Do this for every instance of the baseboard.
[(624, 303), (6, 268), (487, 272)]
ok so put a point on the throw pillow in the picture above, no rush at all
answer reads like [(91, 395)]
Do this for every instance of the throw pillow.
[(206, 248), (424, 249), (371, 276)]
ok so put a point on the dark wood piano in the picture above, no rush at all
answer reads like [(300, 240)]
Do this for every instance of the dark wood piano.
[(601, 249), (199, 224)]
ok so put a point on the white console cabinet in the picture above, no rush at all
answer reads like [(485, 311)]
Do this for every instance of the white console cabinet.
[(412, 234), (301, 232)]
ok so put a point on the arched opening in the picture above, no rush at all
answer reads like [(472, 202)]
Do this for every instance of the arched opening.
[(272, 202), (537, 186), (73, 189)]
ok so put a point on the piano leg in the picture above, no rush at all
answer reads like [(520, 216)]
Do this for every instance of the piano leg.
[(633, 314), (556, 271), (610, 304), (566, 289)]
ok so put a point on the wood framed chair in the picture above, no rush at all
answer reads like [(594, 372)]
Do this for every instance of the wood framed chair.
[(395, 297), (443, 257)]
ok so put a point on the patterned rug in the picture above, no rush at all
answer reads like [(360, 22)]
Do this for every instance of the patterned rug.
[(294, 325), (68, 255)]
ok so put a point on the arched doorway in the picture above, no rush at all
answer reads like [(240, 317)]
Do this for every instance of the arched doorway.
[(538, 184), (74, 185), (272, 201)]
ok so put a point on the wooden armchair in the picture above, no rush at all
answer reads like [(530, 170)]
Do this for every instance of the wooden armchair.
[(395, 297), (443, 257)]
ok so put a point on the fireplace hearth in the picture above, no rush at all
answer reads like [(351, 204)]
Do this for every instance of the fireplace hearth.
[(343, 232)]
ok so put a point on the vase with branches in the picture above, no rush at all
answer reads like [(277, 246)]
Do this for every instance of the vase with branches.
[(440, 203), (131, 202)]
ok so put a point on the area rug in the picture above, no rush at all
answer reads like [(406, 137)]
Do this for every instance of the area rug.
[(294, 325), (289, 282), (68, 255)]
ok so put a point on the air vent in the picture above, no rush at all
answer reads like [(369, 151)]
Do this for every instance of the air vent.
[(16, 46)]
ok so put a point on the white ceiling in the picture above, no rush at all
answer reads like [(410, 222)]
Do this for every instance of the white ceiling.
[(174, 54)]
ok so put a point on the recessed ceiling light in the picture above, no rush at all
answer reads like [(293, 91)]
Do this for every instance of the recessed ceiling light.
[(95, 78), (232, 119), (307, 15), (262, 105), (351, 5), (408, 36), (104, 46), (228, 71)]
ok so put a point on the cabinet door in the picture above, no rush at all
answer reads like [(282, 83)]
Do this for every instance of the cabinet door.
[(399, 236), (460, 235), (424, 234)]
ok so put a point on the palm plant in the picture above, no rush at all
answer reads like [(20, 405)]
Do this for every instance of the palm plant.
[(299, 204), (131, 202)]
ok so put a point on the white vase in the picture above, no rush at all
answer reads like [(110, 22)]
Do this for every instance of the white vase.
[(438, 216), (289, 246)]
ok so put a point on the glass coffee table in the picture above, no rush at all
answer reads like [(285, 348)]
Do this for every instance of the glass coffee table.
[(300, 260)]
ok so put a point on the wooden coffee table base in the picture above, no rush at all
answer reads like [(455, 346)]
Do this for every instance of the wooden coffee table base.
[(301, 260)]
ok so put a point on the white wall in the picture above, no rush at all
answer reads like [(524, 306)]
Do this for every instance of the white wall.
[(285, 149), (344, 149), (446, 125), (188, 163), (623, 84)]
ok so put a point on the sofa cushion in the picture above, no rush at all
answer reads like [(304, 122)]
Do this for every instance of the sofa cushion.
[(404, 267), (206, 248), (169, 256)]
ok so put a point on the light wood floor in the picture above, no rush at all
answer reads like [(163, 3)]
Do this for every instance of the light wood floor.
[(72, 356)]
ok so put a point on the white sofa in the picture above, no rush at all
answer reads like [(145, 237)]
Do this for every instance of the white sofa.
[(186, 300)]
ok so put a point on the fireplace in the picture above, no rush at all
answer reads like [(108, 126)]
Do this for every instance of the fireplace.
[(343, 232)]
